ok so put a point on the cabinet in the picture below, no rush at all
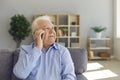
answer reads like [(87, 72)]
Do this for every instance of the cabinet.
[(67, 27), (99, 48)]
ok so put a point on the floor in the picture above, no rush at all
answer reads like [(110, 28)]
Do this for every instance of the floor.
[(103, 70)]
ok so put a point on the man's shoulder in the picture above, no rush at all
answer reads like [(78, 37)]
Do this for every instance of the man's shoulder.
[(62, 48), (26, 47)]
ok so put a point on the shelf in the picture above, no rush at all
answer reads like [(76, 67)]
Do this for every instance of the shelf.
[(74, 25), (97, 48), (74, 36), (63, 26), (96, 57), (99, 38), (97, 45)]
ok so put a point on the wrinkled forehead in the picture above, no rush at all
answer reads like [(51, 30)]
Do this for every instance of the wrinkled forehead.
[(44, 23)]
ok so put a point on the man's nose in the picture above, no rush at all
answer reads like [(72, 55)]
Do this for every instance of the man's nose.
[(51, 30)]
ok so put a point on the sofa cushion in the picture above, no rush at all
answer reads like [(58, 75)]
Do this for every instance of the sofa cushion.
[(79, 56), (6, 59)]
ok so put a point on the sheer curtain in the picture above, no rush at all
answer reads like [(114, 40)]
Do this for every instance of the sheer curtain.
[(117, 18)]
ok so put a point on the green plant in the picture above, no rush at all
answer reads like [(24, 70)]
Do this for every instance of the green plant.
[(65, 31), (20, 28), (98, 29)]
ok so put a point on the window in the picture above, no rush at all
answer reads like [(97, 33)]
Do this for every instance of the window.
[(117, 18)]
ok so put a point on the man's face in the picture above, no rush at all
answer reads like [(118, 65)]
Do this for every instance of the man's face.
[(49, 36)]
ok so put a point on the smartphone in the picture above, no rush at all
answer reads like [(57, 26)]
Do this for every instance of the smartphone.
[(42, 35)]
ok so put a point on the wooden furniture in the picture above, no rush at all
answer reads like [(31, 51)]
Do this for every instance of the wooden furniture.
[(99, 48), (67, 27)]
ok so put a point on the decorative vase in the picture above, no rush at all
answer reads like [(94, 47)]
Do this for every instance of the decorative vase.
[(98, 35), (91, 54)]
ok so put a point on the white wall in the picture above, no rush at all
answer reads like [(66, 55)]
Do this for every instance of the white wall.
[(92, 12)]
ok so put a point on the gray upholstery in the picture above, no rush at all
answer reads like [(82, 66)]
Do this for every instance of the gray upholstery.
[(15, 58), (81, 77), (9, 58), (79, 56), (6, 64)]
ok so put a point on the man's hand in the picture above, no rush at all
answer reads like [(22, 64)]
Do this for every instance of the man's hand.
[(38, 37)]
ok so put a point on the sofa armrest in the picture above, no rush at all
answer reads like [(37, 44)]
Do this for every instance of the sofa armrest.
[(80, 59), (15, 58), (6, 59)]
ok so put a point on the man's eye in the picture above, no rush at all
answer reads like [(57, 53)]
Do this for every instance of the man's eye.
[(46, 28)]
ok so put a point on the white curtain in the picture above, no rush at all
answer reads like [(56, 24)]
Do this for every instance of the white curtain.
[(118, 18)]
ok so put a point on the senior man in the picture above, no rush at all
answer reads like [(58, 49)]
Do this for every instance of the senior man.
[(44, 59)]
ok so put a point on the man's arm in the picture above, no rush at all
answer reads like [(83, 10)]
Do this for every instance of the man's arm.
[(68, 71), (26, 62)]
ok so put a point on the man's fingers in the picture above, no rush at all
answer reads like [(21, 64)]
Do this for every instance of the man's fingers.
[(38, 33)]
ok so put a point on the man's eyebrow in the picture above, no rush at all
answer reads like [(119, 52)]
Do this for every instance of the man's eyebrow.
[(44, 27)]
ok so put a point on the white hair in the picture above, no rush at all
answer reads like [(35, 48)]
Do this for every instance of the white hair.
[(35, 22)]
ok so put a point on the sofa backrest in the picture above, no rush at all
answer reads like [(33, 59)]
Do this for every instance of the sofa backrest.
[(79, 56), (6, 64), (9, 58)]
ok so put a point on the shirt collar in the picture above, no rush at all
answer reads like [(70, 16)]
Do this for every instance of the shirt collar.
[(55, 46), (33, 44)]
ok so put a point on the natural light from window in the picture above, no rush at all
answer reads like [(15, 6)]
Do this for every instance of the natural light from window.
[(118, 17), (96, 71), (93, 66)]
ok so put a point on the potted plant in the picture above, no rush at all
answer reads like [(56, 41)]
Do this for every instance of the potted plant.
[(98, 30), (65, 31), (20, 28)]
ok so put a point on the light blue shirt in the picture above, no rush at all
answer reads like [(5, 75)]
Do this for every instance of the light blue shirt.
[(35, 64)]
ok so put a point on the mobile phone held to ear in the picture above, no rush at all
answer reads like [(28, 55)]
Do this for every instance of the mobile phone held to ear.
[(42, 35)]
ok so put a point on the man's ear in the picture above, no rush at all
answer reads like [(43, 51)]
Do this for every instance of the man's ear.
[(33, 35)]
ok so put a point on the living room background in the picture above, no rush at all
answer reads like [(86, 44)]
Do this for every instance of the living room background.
[(92, 13)]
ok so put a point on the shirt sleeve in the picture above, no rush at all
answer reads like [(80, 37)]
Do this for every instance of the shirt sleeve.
[(26, 62), (68, 71)]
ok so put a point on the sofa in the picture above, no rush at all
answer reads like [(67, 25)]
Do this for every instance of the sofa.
[(8, 58)]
